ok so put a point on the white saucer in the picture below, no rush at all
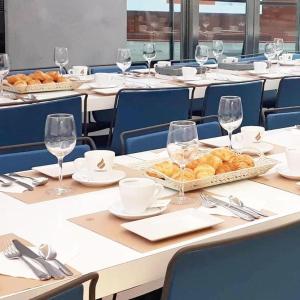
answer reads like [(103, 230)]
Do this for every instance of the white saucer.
[(257, 148), (103, 86), (117, 210), (285, 172), (99, 178)]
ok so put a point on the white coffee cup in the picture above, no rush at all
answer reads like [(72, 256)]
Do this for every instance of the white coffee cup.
[(188, 72), (163, 63), (293, 159), (251, 134), (286, 57), (260, 67), (137, 194), (230, 60), (79, 70)]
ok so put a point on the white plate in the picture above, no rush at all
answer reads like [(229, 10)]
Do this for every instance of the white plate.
[(99, 178), (103, 86), (172, 224), (219, 142), (82, 78), (53, 170), (257, 148), (194, 78), (211, 66), (117, 210), (252, 72), (287, 63), (285, 172)]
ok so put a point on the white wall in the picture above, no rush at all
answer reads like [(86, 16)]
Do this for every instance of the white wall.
[(91, 29)]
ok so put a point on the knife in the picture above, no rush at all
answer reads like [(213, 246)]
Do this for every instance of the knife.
[(25, 251), (21, 183), (248, 216)]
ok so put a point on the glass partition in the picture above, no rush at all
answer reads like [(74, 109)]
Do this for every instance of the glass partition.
[(223, 20), (157, 21)]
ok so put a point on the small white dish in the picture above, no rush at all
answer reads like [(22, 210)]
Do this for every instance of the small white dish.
[(96, 85), (284, 171), (52, 171), (98, 179), (118, 210), (257, 148), (172, 224)]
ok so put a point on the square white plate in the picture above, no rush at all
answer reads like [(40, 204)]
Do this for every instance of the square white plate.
[(172, 224), (222, 141), (53, 170)]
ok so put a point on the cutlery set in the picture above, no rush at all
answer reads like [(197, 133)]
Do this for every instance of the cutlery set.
[(16, 250), (7, 180), (235, 206)]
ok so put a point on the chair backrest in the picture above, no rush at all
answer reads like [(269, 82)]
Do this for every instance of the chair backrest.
[(283, 119), (261, 266), (251, 93), (29, 71), (156, 137), (252, 57), (113, 68), (148, 107), (191, 62), (21, 124), (288, 92), (26, 160), (296, 55), (72, 290)]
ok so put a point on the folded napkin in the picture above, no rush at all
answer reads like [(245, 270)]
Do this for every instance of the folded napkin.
[(218, 211), (16, 188)]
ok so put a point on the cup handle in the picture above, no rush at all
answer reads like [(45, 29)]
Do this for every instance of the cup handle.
[(71, 72), (158, 190)]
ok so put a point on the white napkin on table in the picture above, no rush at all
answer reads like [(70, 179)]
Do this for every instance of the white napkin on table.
[(151, 155), (218, 211), (15, 188)]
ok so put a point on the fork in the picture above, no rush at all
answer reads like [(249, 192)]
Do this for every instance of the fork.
[(12, 253)]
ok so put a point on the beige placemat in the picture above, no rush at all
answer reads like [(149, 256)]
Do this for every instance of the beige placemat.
[(10, 285), (279, 182), (40, 193), (109, 226)]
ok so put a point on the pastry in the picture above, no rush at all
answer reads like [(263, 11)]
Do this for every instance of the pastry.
[(203, 171), (211, 160), (167, 168), (223, 153), (33, 82), (20, 83), (61, 79), (241, 161), (186, 175), (54, 75), (50, 80), (224, 168), (12, 79)]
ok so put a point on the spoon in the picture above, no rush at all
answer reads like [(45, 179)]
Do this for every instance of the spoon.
[(239, 202), (49, 253), (36, 181), (5, 183)]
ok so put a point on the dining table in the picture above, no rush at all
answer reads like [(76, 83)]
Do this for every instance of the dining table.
[(125, 263), (104, 98)]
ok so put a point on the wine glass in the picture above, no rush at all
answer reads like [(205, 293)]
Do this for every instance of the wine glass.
[(279, 47), (230, 114), (201, 55), (61, 58), (218, 49), (182, 148), (270, 51), (4, 69), (149, 53), (124, 60), (60, 140)]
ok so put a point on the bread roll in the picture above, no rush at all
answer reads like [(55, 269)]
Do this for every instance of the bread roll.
[(20, 83), (242, 161), (211, 160), (223, 153), (186, 175), (203, 171), (224, 168)]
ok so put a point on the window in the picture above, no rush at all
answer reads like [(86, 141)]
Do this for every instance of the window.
[(157, 21)]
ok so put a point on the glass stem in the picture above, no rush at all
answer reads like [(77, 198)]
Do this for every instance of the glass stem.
[(61, 69), (149, 67), (60, 163), (181, 190), (230, 139), (1, 86)]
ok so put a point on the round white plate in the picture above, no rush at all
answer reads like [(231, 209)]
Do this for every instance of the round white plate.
[(284, 171), (99, 178), (117, 210), (103, 86), (257, 148), (82, 78), (287, 63), (211, 66)]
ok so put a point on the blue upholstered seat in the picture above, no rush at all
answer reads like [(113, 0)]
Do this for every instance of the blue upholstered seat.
[(143, 108), (260, 267), (192, 63), (250, 92), (283, 119), (252, 57), (25, 123), (288, 92), (73, 294), (149, 139)]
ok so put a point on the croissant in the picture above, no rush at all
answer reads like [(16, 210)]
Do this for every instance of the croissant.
[(224, 168), (187, 175), (241, 161), (211, 160), (224, 154), (203, 171)]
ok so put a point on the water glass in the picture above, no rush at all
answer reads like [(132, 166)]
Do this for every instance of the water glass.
[(279, 47), (218, 49), (182, 148), (149, 53), (60, 140), (61, 58), (270, 51), (230, 114), (201, 54), (4, 70)]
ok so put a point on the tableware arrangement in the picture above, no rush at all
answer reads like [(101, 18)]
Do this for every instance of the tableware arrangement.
[(104, 81), (270, 52), (4, 69), (182, 147), (42, 262), (217, 49), (61, 58), (260, 67), (60, 140), (124, 60), (201, 54), (149, 53), (189, 73), (291, 169), (279, 47), (53, 171), (230, 114), (230, 60), (79, 70)]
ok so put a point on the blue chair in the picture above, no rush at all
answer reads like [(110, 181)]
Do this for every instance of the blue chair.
[(261, 266), (20, 124), (155, 137), (25, 160), (139, 108), (252, 58), (72, 290), (113, 68), (288, 92), (250, 92), (281, 117), (29, 71), (296, 55)]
